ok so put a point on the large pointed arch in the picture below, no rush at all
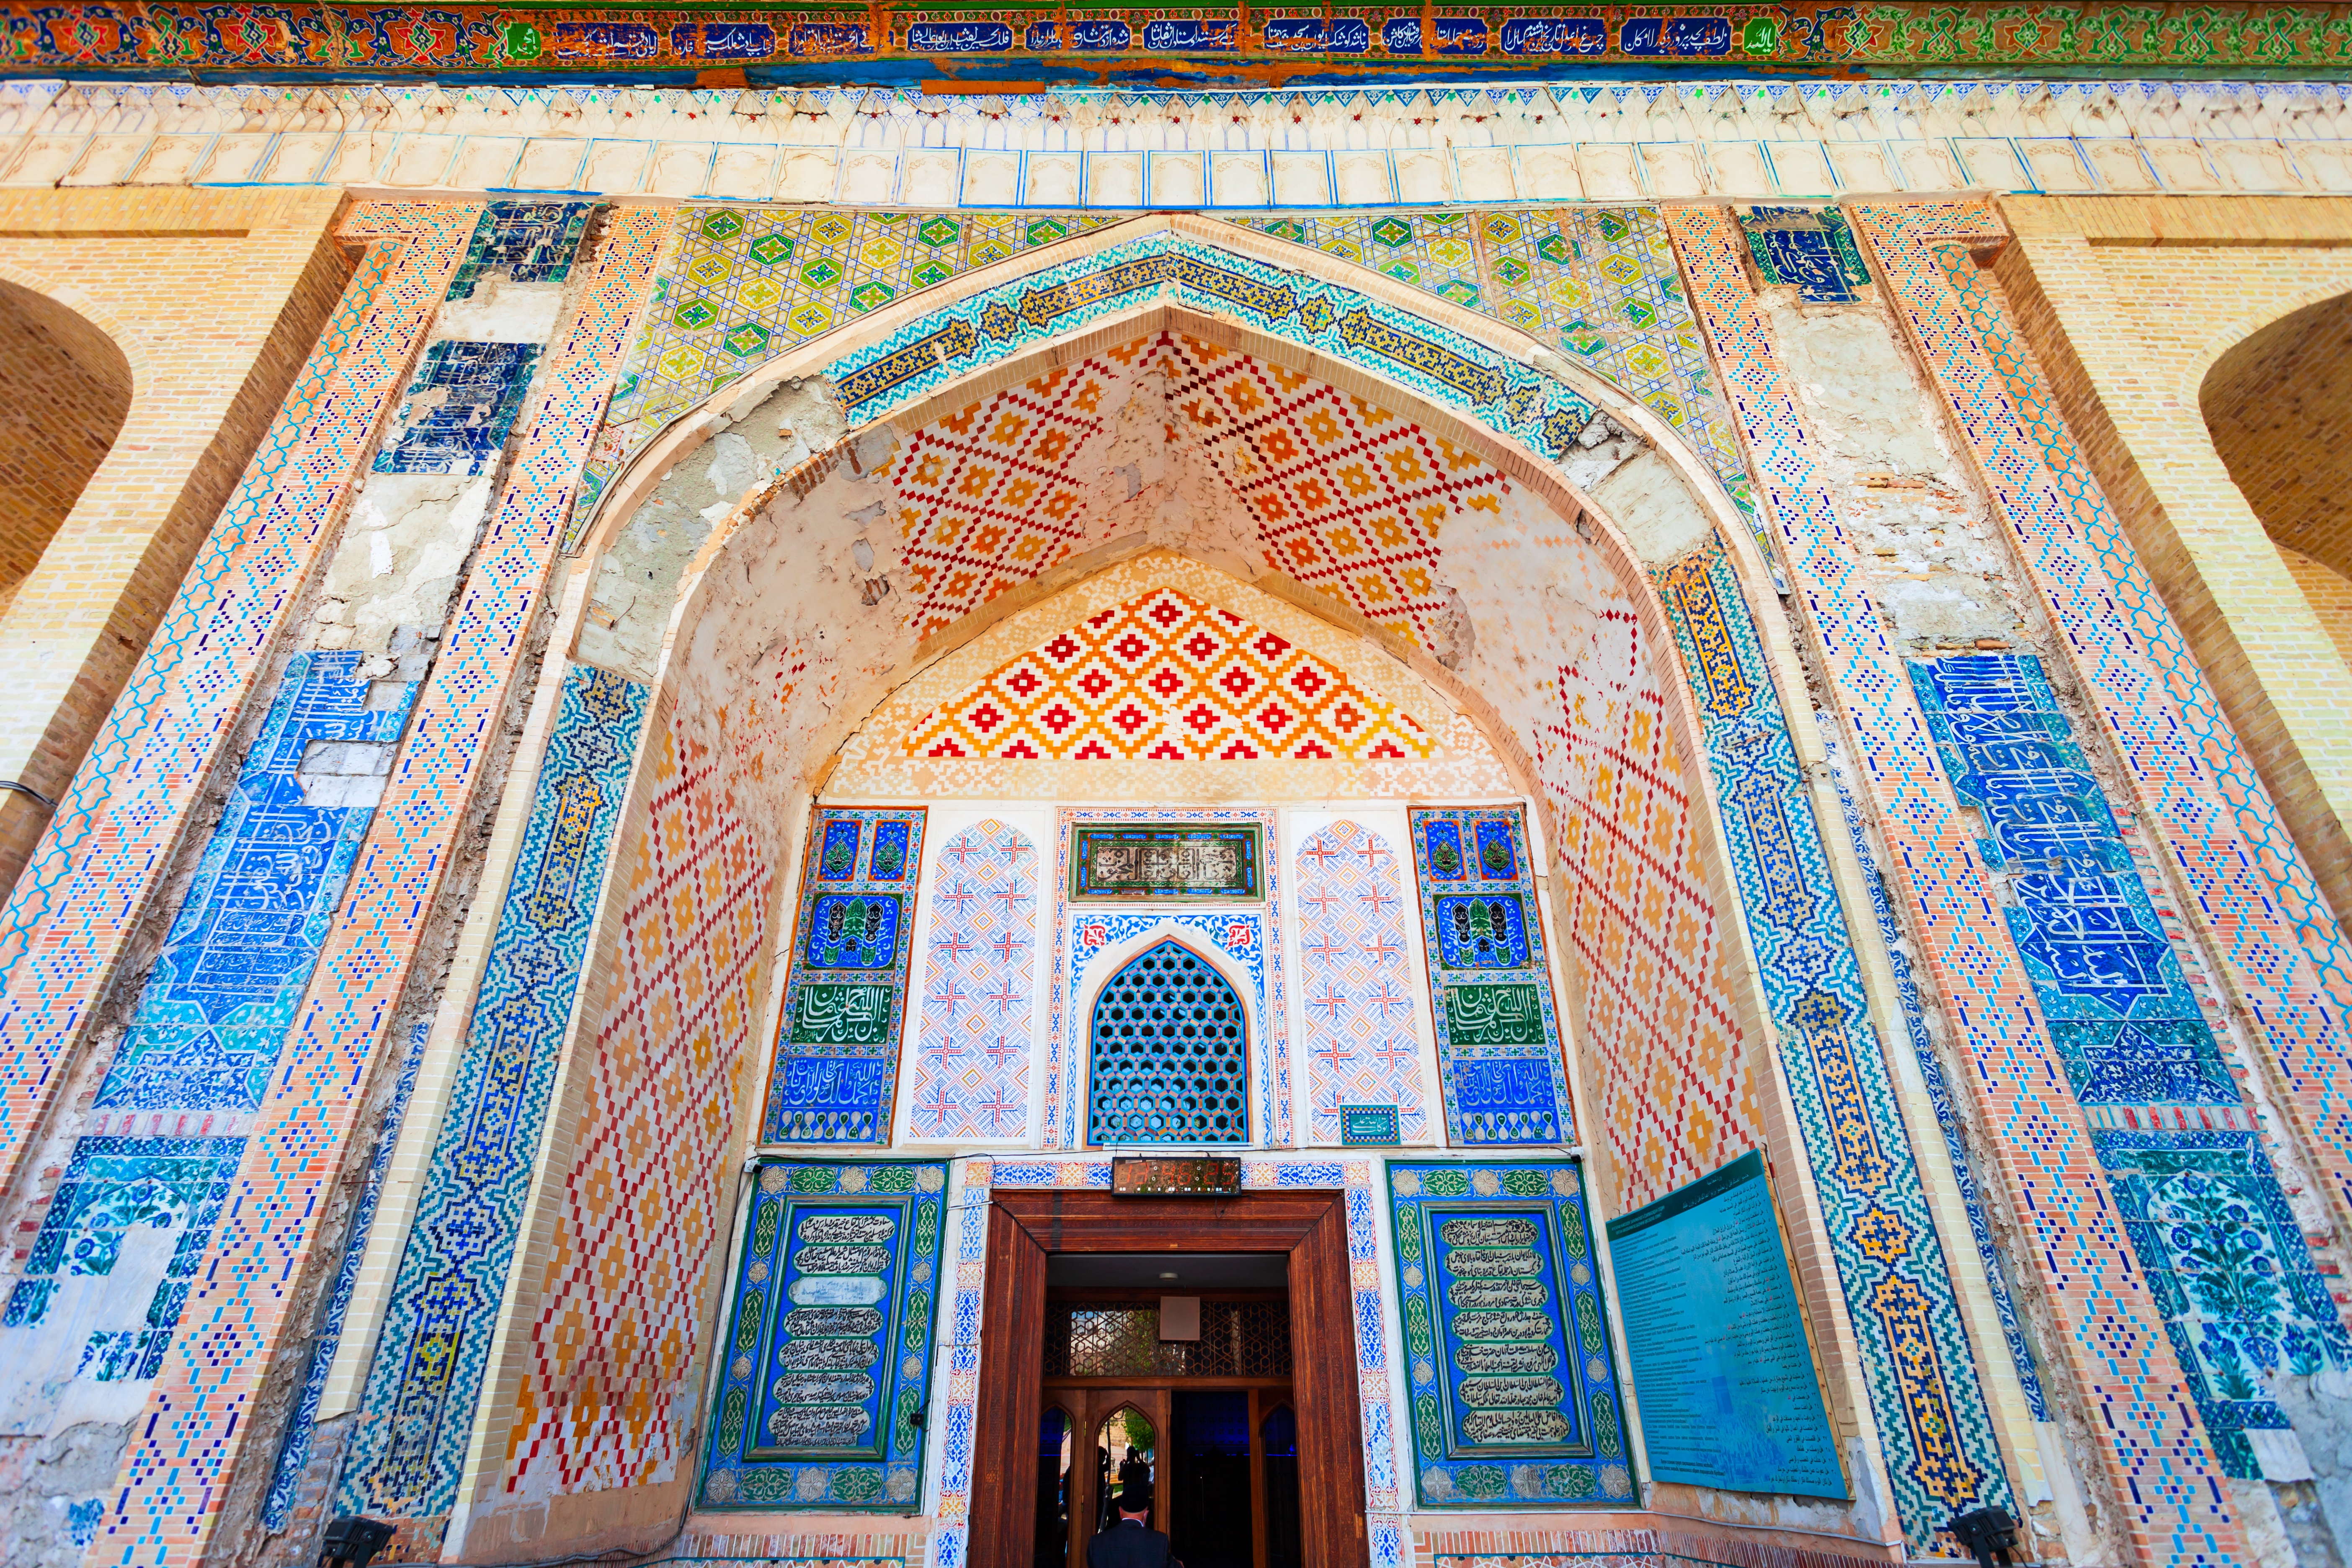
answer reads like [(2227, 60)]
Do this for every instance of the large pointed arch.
[(1610, 710)]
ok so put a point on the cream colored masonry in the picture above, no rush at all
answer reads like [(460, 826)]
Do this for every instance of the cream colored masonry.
[(1625, 141)]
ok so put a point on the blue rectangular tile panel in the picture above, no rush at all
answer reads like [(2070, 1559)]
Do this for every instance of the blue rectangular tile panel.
[(846, 997), (531, 242), (409, 1445), (828, 1343), (459, 409), (1811, 249), (1717, 1340), (231, 976), (111, 1188), (1515, 1397), (2241, 1299), (1489, 986)]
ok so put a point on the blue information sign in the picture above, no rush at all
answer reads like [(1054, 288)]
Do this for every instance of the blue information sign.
[(1721, 1367)]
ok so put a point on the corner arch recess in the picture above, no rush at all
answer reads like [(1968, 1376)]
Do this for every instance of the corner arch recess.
[(1310, 1227)]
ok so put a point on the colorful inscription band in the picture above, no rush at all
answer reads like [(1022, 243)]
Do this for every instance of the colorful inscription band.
[(1125, 862), (861, 44), (1514, 1390), (829, 1344), (837, 1053), (1489, 986)]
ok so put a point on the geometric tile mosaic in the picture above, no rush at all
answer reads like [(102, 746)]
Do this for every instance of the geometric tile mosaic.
[(822, 1397), (1515, 1397), (670, 1047), (2225, 1256), (459, 410), (1167, 677), (972, 1063), (1362, 1042), (417, 1414), (108, 845), (1499, 1047), (531, 242), (1599, 283), (231, 976), (1917, 1360), (836, 1064), (742, 285), (202, 1406)]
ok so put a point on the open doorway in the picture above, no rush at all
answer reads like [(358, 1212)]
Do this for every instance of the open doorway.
[(1173, 1373), (1205, 1349)]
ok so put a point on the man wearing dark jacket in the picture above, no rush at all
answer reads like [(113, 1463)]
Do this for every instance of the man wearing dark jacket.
[(1131, 1543)]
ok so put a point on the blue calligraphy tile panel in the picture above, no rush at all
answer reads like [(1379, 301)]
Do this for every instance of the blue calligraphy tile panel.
[(2231, 1271), (1917, 1363), (821, 1401), (531, 242), (1811, 249), (226, 988), (846, 999), (1514, 1386), (1490, 989), (417, 1411), (459, 410), (111, 1187)]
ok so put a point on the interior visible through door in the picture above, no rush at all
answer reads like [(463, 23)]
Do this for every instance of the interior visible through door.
[(1169, 1371)]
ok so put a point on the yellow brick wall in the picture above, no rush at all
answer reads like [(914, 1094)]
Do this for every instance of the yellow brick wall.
[(2279, 405), (64, 389), (2129, 304), (2330, 594), (213, 299)]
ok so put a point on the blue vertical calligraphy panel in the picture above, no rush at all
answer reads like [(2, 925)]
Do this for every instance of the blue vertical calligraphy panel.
[(1490, 988), (845, 998)]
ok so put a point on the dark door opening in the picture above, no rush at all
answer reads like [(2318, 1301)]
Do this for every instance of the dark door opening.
[(1243, 1419)]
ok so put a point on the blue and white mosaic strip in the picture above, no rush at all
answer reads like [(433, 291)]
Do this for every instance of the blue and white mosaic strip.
[(417, 1415), (1921, 1370)]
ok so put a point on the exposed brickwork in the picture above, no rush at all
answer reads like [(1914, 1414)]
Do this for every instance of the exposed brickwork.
[(64, 389), (208, 366), (2330, 595), (2130, 304), (2277, 404)]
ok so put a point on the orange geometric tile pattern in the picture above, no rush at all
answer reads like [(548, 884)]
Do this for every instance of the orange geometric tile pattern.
[(1349, 497), (986, 497), (606, 1395), (1166, 677)]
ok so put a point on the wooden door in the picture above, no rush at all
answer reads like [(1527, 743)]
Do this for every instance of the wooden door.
[(1023, 1226), (1087, 1504)]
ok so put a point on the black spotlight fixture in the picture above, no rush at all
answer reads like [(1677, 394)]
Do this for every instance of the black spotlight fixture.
[(352, 1541), (1988, 1532)]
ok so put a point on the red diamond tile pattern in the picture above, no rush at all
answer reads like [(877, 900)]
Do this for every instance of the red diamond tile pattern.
[(1166, 677)]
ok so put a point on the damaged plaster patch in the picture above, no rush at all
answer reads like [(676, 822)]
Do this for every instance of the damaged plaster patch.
[(1933, 556), (1649, 501), (405, 543), (502, 311)]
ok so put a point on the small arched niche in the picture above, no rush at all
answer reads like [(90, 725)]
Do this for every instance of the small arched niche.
[(65, 390), (2278, 404)]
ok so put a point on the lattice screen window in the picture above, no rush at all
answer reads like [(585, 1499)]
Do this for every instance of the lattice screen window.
[(1238, 1339), (1171, 1054)]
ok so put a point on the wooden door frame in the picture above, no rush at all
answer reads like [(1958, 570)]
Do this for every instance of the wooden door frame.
[(1311, 1227)]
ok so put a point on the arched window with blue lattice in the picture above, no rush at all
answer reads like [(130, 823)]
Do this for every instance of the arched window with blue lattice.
[(1169, 1045)]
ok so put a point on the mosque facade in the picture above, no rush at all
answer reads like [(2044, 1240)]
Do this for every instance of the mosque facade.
[(1447, 788)]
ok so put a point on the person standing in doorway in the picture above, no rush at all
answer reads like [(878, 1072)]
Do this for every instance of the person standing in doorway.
[(1131, 1543)]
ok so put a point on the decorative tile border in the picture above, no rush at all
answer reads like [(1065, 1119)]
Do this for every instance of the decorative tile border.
[(409, 1442), (1942, 1456), (1489, 973), (986, 328), (799, 1308), (230, 1338), (106, 847), (1360, 47), (2038, 1138), (1569, 1450), (835, 1073)]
